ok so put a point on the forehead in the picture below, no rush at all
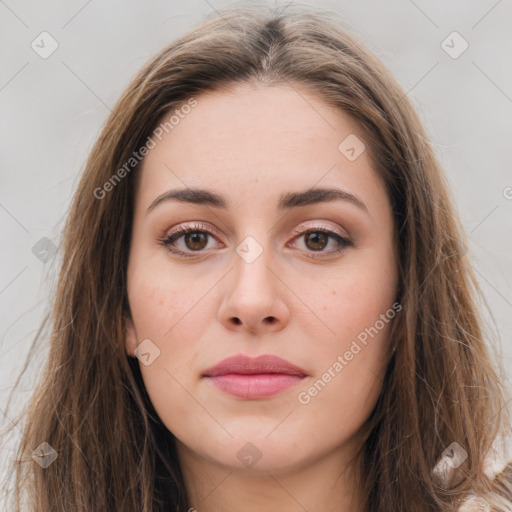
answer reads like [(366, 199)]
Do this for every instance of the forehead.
[(259, 139)]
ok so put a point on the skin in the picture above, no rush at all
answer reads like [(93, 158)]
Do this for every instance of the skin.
[(251, 144)]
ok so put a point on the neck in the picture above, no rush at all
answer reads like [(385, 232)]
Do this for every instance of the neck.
[(327, 485)]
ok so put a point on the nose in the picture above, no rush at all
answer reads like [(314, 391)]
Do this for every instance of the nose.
[(254, 297)]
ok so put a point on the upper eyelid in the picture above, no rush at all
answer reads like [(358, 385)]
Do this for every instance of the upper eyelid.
[(205, 226), (321, 225), (198, 226)]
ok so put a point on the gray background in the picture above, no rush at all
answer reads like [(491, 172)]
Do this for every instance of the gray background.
[(52, 110)]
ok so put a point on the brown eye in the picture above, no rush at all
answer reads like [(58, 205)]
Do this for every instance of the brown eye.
[(316, 240), (322, 242), (187, 240), (196, 240)]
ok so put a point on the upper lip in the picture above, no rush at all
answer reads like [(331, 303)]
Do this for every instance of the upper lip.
[(242, 364)]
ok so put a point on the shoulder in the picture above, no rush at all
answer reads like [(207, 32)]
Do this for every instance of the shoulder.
[(474, 504)]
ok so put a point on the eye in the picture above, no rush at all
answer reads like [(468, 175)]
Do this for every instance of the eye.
[(318, 238), (195, 239)]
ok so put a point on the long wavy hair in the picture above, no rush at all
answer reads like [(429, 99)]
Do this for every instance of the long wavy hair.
[(443, 385)]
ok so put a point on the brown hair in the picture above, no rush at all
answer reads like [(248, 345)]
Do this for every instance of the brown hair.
[(441, 385)]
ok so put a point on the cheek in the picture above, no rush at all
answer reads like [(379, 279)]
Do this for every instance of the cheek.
[(160, 300), (163, 310), (354, 302), (350, 368), (359, 309), (357, 351)]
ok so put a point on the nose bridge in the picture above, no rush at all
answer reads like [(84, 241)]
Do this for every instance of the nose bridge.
[(253, 262)]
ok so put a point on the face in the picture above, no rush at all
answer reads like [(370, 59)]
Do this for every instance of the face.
[(266, 267)]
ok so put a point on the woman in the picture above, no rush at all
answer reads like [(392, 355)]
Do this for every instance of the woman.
[(264, 300)]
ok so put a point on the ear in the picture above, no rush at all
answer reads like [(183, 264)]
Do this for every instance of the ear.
[(130, 337)]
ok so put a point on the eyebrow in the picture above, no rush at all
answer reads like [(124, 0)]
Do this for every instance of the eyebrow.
[(286, 201)]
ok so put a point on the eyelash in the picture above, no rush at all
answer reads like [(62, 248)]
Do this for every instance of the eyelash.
[(169, 240)]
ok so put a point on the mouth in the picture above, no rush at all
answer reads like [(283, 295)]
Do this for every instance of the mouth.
[(253, 378)]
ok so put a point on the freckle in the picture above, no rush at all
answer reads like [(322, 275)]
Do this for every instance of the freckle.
[(334, 292), (161, 302)]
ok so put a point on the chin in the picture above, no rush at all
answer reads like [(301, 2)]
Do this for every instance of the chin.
[(257, 454)]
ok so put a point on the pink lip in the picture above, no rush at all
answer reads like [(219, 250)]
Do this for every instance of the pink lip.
[(259, 377)]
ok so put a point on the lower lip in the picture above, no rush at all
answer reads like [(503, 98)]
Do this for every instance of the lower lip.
[(259, 385)]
